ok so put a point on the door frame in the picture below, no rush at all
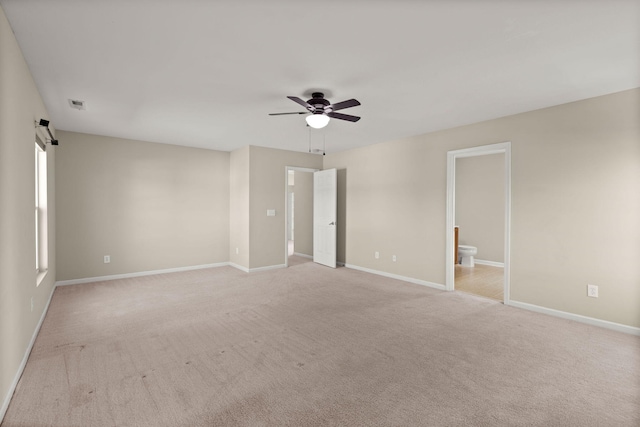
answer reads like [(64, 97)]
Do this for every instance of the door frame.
[(286, 205), (499, 148)]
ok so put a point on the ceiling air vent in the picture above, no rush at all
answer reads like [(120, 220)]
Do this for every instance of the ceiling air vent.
[(78, 105)]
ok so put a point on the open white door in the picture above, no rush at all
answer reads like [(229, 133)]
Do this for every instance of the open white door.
[(325, 208)]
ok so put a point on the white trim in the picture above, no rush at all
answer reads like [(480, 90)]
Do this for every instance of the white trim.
[(239, 267), (503, 147), (632, 330), (303, 255), (267, 268), (139, 274), (397, 277), (257, 269), (16, 379), (40, 277), (491, 263)]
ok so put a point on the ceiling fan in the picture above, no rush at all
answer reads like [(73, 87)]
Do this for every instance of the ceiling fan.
[(321, 110)]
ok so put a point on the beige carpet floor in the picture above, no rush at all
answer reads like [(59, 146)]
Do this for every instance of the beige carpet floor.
[(312, 346)]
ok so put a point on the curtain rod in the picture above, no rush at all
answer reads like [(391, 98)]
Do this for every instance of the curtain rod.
[(45, 124)]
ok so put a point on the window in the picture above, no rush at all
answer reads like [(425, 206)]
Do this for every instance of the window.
[(41, 210)]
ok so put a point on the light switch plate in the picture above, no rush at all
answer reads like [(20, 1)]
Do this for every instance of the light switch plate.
[(271, 212)]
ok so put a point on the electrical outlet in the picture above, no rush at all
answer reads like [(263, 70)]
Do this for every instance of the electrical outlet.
[(394, 258), (107, 259), (237, 251), (376, 254), (592, 291)]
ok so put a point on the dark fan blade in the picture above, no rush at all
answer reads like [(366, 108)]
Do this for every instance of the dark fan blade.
[(344, 104), (343, 117), (303, 103), (282, 114)]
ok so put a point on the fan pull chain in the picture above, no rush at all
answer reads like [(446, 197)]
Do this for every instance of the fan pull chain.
[(324, 142)]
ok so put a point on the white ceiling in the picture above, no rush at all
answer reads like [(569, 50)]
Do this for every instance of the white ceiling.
[(206, 73)]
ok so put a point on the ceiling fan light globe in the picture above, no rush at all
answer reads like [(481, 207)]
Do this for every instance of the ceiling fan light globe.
[(317, 121)]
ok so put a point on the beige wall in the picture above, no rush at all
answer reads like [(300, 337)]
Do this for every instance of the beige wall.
[(480, 204), (303, 218), (575, 204), (387, 199), (20, 107), (149, 206), (268, 189), (239, 208)]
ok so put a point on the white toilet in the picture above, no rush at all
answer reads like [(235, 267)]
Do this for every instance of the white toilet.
[(466, 254)]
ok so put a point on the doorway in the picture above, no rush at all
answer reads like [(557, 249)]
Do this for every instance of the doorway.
[(299, 215), (488, 271)]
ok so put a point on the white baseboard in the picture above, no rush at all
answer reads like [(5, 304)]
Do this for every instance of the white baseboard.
[(397, 277), (257, 269), (303, 255), (531, 307), (491, 263), (14, 384), (239, 267), (577, 317), (268, 267), (139, 274)]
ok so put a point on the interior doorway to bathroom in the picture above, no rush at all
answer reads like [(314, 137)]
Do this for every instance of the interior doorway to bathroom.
[(478, 203)]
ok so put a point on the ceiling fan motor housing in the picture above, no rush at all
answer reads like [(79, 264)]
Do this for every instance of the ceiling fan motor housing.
[(318, 101)]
